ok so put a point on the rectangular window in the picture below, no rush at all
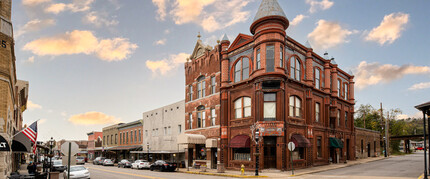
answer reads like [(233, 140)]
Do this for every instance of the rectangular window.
[(258, 66), (140, 136), (179, 129), (156, 132), (190, 121), (123, 138), (120, 138), (116, 136), (127, 139), (270, 58), (299, 153), (203, 119), (199, 90), (203, 88), (213, 117), (338, 118), (269, 106), (131, 137), (169, 131), (213, 86), (165, 130), (281, 57), (346, 119), (339, 87), (345, 88), (199, 119), (146, 133), (317, 112), (135, 136), (238, 109), (237, 70), (319, 147), (191, 92), (243, 154), (317, 79)]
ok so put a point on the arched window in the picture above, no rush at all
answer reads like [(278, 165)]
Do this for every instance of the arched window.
[(295, 106), (241, 69), (201, 117), (317, 78), (295, 68), (242, 107), (201, 86)]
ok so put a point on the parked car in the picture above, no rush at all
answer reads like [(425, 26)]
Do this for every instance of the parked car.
[(107, 162), (57, 165), (77, 171), (162, 166), (80, 160), (140, 164), (98, 161), (124, 164)]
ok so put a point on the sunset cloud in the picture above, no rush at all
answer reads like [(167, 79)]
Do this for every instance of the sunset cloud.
[(160, 42), (33, 106), (34, 25), (162, 67), (74, 6), (211, 15), (297, 19), (99, 19), (93, 118), (82, 42), (319, 5), (329, 34), (420, 86), (33, 2), (367, 74), (30, 59), (390, 28)]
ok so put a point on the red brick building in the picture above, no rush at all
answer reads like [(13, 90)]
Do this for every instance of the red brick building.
[(285, 89), (130, 139), (94, 141)]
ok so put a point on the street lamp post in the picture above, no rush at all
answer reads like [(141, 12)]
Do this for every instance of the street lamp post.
[(257, 136), (425, 108), (51, 143)]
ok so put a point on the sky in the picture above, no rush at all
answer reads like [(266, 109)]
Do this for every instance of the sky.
[(93, 63)]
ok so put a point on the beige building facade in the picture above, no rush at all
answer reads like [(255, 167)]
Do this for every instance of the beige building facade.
[(368, 143)]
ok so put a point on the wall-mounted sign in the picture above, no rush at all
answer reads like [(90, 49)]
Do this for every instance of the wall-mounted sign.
[(4, 145), (271, 128), (224, 132), (310, 132)]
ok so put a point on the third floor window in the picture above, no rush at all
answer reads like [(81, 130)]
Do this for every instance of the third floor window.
[(241, 69)]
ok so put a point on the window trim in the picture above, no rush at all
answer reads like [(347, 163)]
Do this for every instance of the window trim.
[(242, 108), (213, 85), (233, 69), (202, 112), (319, 112), (301, 69), (295, 97), (281, 56), (258, 59), (319, 77)]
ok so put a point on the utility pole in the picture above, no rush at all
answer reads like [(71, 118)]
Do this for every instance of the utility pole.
[(386, 131), (364, 119)]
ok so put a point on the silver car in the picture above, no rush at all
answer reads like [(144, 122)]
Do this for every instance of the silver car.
[(107, 162), (80, 160), (77, 172)]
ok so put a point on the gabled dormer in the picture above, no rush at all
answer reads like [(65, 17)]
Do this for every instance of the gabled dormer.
[(241, 40), (200, 49)]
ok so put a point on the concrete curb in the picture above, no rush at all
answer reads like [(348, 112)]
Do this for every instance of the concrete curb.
[(223, 174)]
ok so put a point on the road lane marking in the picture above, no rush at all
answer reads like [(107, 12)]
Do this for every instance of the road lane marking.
[(131, 174)]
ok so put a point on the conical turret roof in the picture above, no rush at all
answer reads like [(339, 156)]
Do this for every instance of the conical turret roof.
[(269, 8)]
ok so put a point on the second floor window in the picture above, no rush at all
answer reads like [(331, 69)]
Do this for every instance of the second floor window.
[(191, 92), (346, 119), (201, 87), (201, 116), (338, 117), (295, 106), (242, 107), (317, 78), (258, 60), (120, 138), (269, 111), (213, 86), (345, 88), (213, 117), (317, 112), (190, 121), (281, 57), (295, 68), (241, 69)]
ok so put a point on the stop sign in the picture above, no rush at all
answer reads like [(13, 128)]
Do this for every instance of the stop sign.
[(74, 149)]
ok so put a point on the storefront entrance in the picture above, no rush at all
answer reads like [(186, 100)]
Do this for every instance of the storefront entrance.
[(270, 152), (214, 158)]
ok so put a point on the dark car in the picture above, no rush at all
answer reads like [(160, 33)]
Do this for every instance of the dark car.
[(57, 165), (99, 161), (162, 166), (124, 164)]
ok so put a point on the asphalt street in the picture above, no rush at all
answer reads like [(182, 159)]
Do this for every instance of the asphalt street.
[(407, 166)]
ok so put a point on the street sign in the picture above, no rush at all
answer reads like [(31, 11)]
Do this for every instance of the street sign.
[(73, 150), (291, 146)]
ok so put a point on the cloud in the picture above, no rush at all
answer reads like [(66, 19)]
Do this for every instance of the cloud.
[(297, 19), (319, 5), (160, 42), (99, 19), (30, 59), (93, 118), (34, 25), (42, 121), (329, 34), (161, 5), (162, 67), (33, 106), (420, 86), (211, 15), (367, 74), (33, 2), (74, 6), (390, 28), (82, 42)]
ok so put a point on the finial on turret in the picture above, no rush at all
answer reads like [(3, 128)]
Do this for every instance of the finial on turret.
[(198, 36)]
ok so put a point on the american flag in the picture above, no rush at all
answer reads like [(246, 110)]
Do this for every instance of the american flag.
[(31, 133)]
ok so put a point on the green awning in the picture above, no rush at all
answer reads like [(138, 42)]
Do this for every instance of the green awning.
[(335, 142)]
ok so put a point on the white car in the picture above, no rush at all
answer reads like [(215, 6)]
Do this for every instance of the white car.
[(77, 172), (80, 160), (140, 164)]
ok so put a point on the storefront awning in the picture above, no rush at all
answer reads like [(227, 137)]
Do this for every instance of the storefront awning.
[(20, 143), (300, 141), (240, 141), (335, 142), (211, 143), (125, 147), (191, 139)]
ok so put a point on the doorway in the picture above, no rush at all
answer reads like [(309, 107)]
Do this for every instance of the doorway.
[(190, 157), (347, 150), (214, 158), (368, 150), (269, 152)]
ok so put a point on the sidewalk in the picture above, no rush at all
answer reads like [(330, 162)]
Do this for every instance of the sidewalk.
[(278, 173)]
